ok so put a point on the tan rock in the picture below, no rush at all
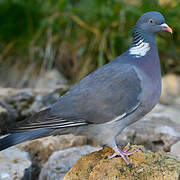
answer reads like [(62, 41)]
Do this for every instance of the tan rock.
[(145, 166), (41, 149)]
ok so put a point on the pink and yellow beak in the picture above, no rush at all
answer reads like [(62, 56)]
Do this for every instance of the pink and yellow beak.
[(166, 28)]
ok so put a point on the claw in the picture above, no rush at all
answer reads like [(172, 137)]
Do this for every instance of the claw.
[(123, 153), (127, 147)]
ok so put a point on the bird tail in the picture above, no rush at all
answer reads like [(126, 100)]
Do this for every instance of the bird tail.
[(19, 137)]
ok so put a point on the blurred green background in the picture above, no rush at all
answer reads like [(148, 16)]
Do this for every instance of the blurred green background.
[(78, 36)]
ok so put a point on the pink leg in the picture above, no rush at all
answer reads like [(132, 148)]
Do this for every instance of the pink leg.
[(123, 154)]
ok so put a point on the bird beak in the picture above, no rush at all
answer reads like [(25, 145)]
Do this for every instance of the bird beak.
[(166, 28)]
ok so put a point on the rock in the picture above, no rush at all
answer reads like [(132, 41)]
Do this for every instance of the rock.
[(13, 164), (17, 104), (27, 102), (61, 161), (50, 80), (41, 149), (169, 95), (5, 92), (175, 149), (177, 101), (3, 117), (7, 116), (156, 131), (171, 112), (44, 100), (21, 101), (94, 166), (32, 172)]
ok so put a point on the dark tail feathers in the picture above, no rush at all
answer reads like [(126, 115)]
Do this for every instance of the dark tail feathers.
[(16, 138)]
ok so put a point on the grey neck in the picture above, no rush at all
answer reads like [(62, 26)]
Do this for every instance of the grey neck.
[(140, 35)]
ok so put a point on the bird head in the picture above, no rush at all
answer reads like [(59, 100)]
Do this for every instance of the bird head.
[(152, 22)]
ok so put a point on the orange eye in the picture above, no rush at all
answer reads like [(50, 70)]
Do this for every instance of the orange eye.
[(151, 21)]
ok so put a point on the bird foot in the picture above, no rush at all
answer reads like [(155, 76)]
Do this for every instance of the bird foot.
[(123, 153)]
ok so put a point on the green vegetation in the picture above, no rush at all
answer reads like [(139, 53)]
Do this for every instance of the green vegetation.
[(77, 36)]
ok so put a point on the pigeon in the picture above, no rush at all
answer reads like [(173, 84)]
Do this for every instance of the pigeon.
[(107, 100)]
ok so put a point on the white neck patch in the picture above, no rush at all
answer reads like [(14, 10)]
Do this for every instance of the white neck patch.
[(140, 49)]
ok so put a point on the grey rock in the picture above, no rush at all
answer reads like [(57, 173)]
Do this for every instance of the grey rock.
[(21, 101), (41, 149), (32, 172), (3, 118), (27, 101), (42, 101), (17, 104), (7, 117), (175, 149), (177, 101), (50, 80), (60, 162), (170, 111), (169, 95), (156, 131), (13, 163)]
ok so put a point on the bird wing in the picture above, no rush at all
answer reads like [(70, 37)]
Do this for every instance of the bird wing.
[(106, 94), (41, 120)]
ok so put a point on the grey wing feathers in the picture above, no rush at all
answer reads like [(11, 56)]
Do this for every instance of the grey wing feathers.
[(41, 120), (102, 96)]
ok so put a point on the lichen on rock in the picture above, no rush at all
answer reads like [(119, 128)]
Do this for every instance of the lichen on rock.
[(145, 166)]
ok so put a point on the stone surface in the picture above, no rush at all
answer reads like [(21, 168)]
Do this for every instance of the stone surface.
[(50, 80), (175, 149), (7, 116), (41, 149), (155, 133), (17, 104), (156, 166), (61, 161), (171, 112), (160, 130), (13, 163), (170, 89), (3, 117)]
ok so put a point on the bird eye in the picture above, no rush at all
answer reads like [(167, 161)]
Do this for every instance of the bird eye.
[(151, 21)]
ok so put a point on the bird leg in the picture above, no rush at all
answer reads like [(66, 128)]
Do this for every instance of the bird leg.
[(123, 153)]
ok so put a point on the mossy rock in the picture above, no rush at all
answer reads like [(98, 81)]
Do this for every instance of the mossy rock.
[(145, 166)]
